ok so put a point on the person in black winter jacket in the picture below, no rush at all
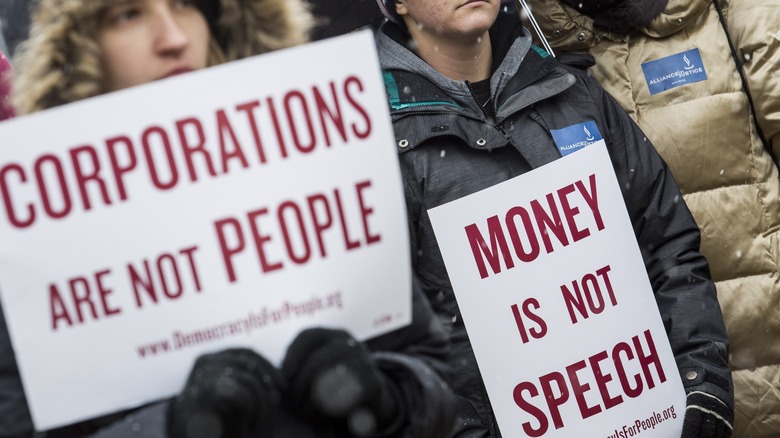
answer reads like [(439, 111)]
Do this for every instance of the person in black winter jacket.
[(329, 384), (474, 104)]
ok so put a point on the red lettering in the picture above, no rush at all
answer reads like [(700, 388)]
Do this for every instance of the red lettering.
[(168, 276), (320, 224), (277, 127), (537, 332), (537, 413), (580, 389), (166, 281), (298, 217), (229, 251), (603, 273), (533, 242), (602, 380), (546, 223), (350, 244), (117, 169), (144, 281), (593, 295), (249, 108), (554, 402), (189, 254), (622, 347), (555, 388), (651, 358), (82, 177), (81, 297), (354, 80), (304, 111), (333, 115), (57, 308), (591, 198), (146, 139), (570, 212), (498, 247), (61, 184), (8, 203), (261, 241), (191, 148), (223, 125), (365, 212), (104, 292)]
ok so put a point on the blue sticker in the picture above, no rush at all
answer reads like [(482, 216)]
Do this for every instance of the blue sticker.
[(675, 70), (575, 137)]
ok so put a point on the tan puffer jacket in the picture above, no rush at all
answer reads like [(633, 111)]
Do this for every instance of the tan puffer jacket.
[(60, 62), (705, 132)]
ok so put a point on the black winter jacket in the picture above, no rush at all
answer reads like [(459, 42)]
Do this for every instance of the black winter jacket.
[(450, 147)]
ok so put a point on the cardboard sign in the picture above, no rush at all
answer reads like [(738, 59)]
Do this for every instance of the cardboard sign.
[(232, 206), (558, 306)]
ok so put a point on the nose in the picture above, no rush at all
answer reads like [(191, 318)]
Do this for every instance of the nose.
[(170, 36)]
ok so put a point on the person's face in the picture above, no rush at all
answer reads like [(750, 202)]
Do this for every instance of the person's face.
[(454, 19), (146, 40)]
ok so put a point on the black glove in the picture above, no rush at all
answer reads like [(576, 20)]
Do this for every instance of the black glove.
[(233, 393), (333, 379), (706, 416)]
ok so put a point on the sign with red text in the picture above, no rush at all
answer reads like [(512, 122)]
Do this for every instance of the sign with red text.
[(232, 206), (557, 304)]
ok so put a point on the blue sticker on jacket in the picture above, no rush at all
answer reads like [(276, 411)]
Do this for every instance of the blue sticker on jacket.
[(675, 70), (576, 137)]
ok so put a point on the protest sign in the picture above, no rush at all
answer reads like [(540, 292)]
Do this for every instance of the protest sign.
[(557, 304), (232, 206)]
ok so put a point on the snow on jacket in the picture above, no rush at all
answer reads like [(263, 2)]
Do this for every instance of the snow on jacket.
[(450, 148), (52, 72), (702, 125)]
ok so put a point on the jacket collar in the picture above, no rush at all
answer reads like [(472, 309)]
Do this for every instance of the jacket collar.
[(412, 83)]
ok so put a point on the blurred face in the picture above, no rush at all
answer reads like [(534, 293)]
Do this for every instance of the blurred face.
[(146, 40), (450, 19)]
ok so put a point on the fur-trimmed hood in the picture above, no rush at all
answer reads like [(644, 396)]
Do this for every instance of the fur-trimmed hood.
[(60, 61)]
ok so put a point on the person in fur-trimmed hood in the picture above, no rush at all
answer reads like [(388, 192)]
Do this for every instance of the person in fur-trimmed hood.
[(670, 66), (329, 384), (61, 60)]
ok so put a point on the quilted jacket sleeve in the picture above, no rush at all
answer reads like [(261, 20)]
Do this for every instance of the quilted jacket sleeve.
[(669, 240)]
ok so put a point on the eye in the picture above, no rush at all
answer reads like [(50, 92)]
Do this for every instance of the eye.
[(184, 4), (121, 15)]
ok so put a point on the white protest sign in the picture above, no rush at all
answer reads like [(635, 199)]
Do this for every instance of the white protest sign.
[(558, 306), (230, 206)]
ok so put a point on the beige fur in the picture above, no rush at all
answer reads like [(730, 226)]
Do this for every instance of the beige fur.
[(60, 62)]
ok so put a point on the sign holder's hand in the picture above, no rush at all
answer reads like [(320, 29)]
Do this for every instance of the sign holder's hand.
[(706, 416)]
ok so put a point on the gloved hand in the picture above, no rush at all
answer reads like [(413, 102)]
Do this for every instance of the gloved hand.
[(706, 416), (233, 393), (332, 376)]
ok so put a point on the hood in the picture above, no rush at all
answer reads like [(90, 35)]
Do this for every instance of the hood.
[(577, 28), (60, 61)]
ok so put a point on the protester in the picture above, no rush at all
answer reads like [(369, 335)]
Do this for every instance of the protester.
[(722, 152), (329, 384), (473, 104)]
